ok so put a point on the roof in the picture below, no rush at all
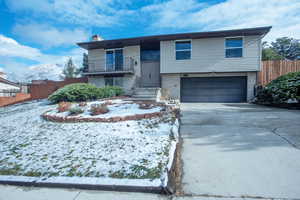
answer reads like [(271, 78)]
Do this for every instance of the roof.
[(5, 87), (115, 43), (3, 80)]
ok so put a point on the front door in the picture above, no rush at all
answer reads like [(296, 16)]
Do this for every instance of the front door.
[(150, 74)]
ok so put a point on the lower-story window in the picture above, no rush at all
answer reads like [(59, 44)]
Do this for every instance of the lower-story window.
[(109, 81), (114, 81)]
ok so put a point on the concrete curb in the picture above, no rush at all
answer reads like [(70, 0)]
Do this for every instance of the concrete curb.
[(119, 188)]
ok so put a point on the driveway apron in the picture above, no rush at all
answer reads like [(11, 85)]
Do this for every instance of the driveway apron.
[(240, 150)]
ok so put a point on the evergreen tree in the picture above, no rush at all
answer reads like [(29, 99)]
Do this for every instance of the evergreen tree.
[(268, 53), (85, 62), (70, 70), (286, 47)]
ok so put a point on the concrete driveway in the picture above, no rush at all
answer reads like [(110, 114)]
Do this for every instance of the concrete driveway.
[(240, 150)]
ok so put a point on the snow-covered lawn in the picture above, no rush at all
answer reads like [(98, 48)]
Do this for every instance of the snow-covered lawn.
[(31, 146)]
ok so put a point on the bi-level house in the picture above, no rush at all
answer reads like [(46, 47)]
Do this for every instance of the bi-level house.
[(217, 66)]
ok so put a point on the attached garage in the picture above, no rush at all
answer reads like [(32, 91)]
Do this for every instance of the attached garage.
[(231, 89)]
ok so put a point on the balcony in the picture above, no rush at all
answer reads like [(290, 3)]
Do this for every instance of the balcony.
[(101, 67)]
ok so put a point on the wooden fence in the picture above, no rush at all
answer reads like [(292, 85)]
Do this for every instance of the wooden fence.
[(18, 98), (42, 89), (272, 69)]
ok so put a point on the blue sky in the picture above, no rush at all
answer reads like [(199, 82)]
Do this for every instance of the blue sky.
[(37, 32)]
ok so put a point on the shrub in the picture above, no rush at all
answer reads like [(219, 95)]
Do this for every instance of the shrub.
[(83, 92), (76, 110), (75, 92), (63, 106), (110, 91), (281, 90), (97, 109)]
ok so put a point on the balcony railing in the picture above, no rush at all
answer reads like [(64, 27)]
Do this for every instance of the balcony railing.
[(100, 66)]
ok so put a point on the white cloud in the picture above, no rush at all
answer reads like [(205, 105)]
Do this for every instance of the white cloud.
[(173, 13), (82, 12), (49, 36), (283, 15), (11, 48)]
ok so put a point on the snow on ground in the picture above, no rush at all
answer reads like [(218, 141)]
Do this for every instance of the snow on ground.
[(119, 108), (31, 146)]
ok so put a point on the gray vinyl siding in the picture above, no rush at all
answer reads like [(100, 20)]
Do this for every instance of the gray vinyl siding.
[(208, 55), (97, 58)]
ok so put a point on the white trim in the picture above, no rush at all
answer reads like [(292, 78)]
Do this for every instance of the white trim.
[(183, 40), (225, 48), (113, 49)]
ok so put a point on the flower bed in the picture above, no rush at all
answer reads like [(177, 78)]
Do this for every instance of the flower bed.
[(106, 111)]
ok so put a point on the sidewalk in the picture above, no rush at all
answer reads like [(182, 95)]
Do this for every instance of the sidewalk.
[(8, 192)]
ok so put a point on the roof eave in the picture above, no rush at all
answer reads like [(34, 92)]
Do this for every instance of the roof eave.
[(194, 35)]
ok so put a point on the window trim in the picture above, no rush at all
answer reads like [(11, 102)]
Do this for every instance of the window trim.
[(184, 40), (225, 48), (114, 66)]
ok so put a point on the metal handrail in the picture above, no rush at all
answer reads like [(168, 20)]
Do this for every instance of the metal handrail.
[(100, 66)]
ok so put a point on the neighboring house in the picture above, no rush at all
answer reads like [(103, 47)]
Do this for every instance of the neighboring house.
[(7, 88), (217, 66)]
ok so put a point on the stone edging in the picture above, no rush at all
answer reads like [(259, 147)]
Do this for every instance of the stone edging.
[(72, 119)]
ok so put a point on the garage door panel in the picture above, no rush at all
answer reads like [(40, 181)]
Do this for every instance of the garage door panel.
[(214, 89)]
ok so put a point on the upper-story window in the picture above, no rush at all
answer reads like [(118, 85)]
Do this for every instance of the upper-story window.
[(234, 47), (114, 60), (183, 50)]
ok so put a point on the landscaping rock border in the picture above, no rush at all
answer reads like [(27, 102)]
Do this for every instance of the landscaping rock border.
[(75, 119), (72, 119)]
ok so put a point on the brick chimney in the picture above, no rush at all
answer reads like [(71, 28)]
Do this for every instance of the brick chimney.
[(96, 38)]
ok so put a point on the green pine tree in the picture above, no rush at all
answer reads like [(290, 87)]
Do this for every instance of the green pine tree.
[(85, 62), (70, 70)]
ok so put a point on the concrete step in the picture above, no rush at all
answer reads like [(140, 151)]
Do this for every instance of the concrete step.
[(145, 94), (142, 99), (146, 90)]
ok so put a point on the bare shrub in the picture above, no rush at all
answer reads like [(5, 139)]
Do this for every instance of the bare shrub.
[(82, 104), (97, 109), (76, 110), (144, 105), (63, 106)]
